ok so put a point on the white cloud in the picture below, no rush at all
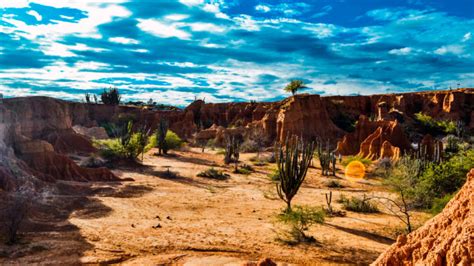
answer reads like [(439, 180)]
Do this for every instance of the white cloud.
[(161, 29), (191, 2), (123, 40), (263, 8), (401, 51), (176, 17), (450, 49), (467, 37), (14, 3), (205, 27), (35, 14)]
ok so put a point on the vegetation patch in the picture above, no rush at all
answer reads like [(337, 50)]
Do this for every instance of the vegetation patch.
[(355, 204), (434, 125), (352, 158), (213, 174), (300, 219)]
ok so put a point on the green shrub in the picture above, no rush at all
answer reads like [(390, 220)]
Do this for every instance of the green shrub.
[(244, 169), (352, 158), (213, 174), (437, 181), (300, 219), (114, 149), (334, 184), (439, 203), (434, 125), (173, 141), (355, 204), (111, 96), (275, 176)]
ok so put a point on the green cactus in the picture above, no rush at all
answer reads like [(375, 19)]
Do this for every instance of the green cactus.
[(232, 150), (326, 158), (161, 137), (293, 161)]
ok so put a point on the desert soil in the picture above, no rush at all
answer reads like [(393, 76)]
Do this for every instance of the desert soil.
[(191, 220)]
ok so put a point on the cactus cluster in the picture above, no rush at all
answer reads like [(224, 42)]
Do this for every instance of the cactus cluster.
[(293, 161), (232, 150), (327, 159)]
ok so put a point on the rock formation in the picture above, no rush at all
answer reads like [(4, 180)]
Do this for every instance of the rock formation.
[(41, 124), (447, 239), (374, 140)]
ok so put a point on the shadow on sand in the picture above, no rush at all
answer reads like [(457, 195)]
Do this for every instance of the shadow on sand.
[(48, 233)]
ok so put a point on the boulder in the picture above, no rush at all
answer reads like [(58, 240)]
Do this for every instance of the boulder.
[(91, 132)]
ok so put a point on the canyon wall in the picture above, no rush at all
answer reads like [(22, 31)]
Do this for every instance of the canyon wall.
[(39, 130)]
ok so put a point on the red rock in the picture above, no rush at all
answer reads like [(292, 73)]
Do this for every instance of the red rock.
[(446, 239)]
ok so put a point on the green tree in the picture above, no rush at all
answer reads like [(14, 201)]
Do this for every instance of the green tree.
[(294, 86), (111, 96)]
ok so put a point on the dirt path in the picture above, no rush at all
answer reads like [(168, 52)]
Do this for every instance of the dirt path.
[(197, 221)]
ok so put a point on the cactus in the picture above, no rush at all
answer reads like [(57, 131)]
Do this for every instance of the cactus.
[(293, 161), (232, 150), (161, 137), (329, 201), (459, 128), (326, 158)]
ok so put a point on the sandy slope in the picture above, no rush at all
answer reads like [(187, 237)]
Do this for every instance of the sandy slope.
[(202, 221)]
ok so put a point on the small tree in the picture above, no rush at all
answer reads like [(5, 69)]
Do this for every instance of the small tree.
[(13, 214), (403, 181), (87, 98), (294, 86), (259, 138), (161, 132), (111, 96), (293, 162)]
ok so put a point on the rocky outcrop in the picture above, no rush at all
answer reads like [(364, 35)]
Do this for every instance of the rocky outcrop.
[(91, 132), (374, 139), (305, 116), (447, 239)]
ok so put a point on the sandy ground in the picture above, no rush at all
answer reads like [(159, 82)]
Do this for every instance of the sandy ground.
[(195, 221)]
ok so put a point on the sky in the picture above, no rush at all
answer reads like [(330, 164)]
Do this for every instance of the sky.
[(176, 51)]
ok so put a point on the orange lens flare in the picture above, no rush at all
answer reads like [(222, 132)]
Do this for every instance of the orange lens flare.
[(355, 170)]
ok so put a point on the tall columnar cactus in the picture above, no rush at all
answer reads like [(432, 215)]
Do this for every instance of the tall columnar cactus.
[(232, 150), (326, 158), (293, 161), (161, 137)]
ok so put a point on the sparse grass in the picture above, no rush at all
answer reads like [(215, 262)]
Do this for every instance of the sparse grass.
[(351, 158), (275, 176), (334, 184), (244, 169), (213, 174), (300, 219), (355, 204)]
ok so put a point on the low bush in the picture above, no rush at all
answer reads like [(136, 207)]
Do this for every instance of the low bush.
[(351, 158), (12, 215), (213, 174), (172, 141), (244, 169), (249, 145), (433, 125), (275, 176), (115, 149), (300, 219), (334, 184), (439, 203), (355, 204), (439, 180)]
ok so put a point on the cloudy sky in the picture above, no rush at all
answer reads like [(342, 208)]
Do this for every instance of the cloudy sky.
[(233, 50)]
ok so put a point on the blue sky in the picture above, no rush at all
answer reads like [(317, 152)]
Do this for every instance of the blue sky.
[(233, 50)]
